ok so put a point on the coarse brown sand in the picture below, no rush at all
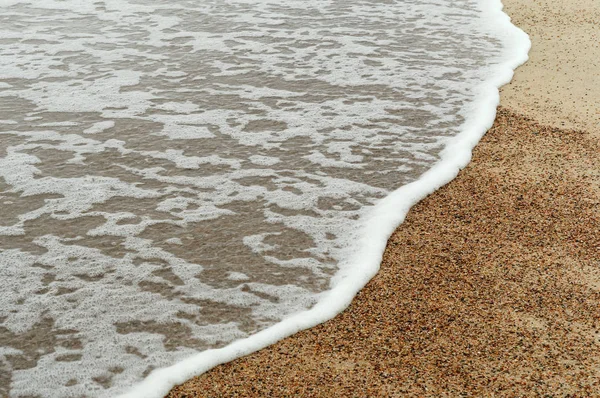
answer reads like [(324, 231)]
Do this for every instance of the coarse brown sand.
[(491, 287)]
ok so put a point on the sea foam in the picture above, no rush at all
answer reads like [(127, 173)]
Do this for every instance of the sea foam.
[(186, 183)]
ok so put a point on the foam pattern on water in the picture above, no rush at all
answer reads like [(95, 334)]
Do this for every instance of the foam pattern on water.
[(178, 175)]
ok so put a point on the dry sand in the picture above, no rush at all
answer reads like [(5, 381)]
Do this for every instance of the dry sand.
[(491, 287), (560, 85)]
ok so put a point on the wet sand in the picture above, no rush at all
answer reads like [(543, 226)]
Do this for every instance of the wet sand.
[(491, 287)]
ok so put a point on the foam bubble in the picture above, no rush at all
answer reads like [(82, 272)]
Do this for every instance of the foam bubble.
[(100, 127)]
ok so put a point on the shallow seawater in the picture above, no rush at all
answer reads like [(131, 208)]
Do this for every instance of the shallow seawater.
[(177, 175)]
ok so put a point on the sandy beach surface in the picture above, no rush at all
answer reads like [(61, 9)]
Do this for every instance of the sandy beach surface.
[(491, 287)]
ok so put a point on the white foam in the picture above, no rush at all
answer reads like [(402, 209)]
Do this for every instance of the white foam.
[(100, 127), (264, 160), (238, 276)]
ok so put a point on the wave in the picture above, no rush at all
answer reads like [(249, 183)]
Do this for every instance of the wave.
[(218, 176)]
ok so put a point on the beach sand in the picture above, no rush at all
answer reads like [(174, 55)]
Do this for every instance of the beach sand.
[(560, 85), (491, 287)]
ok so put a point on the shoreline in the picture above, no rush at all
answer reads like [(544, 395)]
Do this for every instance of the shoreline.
[(492, 295)]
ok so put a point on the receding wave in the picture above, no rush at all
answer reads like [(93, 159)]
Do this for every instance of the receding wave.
[(178, 175)]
